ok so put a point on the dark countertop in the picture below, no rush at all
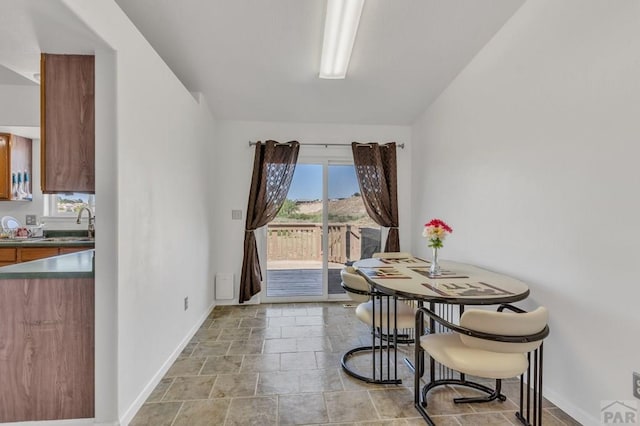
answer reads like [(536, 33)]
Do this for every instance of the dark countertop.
[(73, 265), (46, 242), (52, 238)]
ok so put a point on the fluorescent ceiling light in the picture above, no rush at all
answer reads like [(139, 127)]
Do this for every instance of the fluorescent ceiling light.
[(340, 28)]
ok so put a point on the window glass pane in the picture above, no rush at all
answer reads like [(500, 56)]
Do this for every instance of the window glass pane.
[(68, 204)]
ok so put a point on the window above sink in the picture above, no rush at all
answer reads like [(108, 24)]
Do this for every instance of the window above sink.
[(68, 205)]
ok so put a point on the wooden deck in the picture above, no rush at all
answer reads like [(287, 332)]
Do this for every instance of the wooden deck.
[(301, 282)]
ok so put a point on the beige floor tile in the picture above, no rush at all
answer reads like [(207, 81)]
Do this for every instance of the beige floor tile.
[(202, 413), (258, 411), (156, 414), (208, 348), (234, 334), (294, 312), (226, 322), (188, 349), (302, 409), (222, 364), (278, 382), (234, 385), (440, 401), (310, 320), (282, 321), (493, 419), (324, 380), (350, 406), (439, 420), (328, 359), (207, 334), (260, 363), (393, 403), (160, 390), (185, 367), (297, 361), (185, 388), (245, 347), (253, 322), (272, 346), (312, 344), (303, 331), (562, 416)]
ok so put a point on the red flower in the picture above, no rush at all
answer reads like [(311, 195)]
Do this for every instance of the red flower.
[(440, 224)]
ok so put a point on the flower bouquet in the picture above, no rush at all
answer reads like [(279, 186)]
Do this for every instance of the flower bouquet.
[(435, 231)]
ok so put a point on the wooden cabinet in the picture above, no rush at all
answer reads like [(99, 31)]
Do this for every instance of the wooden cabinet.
[(11, 255), (47, 362), (67, 123), (35, 253), (8, 256), (15, 157)]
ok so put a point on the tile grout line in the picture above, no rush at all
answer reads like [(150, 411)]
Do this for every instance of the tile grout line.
[(175, 417)]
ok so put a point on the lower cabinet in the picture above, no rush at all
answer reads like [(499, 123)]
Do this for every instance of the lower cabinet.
[(8, 256), (11, 255), (47, 349)]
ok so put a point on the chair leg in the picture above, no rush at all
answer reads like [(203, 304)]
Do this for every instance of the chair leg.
[(493, 393), (347, 369)]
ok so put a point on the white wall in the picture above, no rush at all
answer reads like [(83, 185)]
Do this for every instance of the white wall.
[(234, 165), (20, 105), (531, 155), (154, 168)]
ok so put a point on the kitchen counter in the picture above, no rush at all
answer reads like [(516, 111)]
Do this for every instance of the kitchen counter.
[(73, 265)]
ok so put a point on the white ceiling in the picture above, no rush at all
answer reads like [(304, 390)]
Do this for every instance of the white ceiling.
[(259, 60)]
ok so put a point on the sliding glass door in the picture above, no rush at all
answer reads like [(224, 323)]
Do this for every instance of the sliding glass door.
[(322, 227)]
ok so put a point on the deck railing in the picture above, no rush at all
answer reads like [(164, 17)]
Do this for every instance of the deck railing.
[(303, 241)]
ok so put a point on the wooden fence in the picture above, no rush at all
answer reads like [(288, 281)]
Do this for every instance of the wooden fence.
[(303, 241)]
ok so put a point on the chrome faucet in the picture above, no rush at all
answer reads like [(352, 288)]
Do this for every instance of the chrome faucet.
[(91, 229)]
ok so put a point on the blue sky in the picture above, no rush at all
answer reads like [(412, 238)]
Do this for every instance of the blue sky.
[(307, 182)]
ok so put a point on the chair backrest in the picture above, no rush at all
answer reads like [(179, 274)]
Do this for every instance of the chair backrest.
[(391, 254), (351, 279), (504, 324)]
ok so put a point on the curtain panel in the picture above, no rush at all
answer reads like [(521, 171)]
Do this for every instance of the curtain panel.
[(376, 169), (273, 167)]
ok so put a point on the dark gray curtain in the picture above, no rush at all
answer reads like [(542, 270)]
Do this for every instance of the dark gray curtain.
[(377, 176), (273, 167)]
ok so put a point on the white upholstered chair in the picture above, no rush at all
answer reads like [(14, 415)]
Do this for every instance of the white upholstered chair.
[(487, 344), (384, 315)]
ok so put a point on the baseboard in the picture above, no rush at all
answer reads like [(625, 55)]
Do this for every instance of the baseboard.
[(137, 403), (568, 407)]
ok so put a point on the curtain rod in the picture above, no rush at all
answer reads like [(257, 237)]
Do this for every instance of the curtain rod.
[(326, 145)]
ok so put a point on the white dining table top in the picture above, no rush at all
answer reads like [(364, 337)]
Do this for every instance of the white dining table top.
[(460, 283)]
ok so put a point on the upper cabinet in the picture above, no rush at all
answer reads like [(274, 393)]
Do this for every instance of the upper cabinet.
[(15, 167), (67, 123)]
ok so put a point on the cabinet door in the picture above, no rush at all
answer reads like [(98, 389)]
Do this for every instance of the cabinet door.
[(68, 123), (34, 253), (8, 256), (67, 250), (5, 173)]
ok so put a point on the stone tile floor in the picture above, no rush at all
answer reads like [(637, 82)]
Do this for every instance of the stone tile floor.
[(279, 364)]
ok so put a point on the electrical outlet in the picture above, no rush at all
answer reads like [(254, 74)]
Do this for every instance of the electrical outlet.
[(31, 219), (236, 214), (186, 303), (636, 385)]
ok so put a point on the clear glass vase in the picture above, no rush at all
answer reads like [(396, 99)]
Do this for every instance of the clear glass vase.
[(434, 270)]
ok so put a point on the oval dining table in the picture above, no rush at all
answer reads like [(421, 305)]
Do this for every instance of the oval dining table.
[(459, 285)]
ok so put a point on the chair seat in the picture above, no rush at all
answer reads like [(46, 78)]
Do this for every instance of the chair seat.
[(448, 350), (406, 314)]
